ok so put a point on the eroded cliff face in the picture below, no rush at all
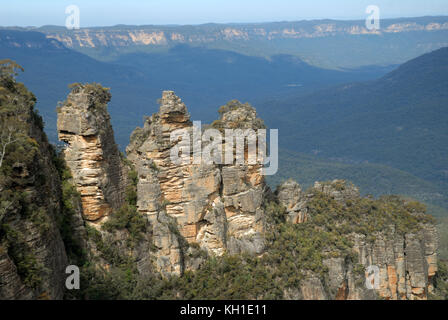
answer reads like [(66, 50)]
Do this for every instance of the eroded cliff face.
[(218, 207), (165, 36), (406, 261), (91, 152), (32, 253)]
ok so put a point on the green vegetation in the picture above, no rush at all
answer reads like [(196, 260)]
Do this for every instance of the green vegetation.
[(136, 80), (28, 268), (442, 228), (98, 94), (112, 273), (441, 282), (21, 165), (232, 106), (127, 217), (70, 207), (293, 251)]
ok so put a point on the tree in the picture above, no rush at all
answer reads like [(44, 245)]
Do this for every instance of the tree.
[(9, 68), (8, 135), (12, 106)]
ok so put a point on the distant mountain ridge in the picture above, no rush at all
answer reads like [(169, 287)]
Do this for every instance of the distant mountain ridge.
[(319, 42), (137, 79)]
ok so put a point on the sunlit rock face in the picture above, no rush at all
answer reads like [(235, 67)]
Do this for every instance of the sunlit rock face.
[(164, 36), (294, 200), (406, 262), (91, 152), (218, 206)]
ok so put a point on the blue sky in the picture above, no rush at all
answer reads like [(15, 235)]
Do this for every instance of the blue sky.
[(112, 12)]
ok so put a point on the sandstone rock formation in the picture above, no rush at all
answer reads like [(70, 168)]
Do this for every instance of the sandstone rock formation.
[(406, 262), (290, 195), (339, 190), (169, 255), (406, 267), (216, 206), (91, 153)]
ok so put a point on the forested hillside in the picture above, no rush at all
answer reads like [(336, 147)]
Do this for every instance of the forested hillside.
[(398, 121)]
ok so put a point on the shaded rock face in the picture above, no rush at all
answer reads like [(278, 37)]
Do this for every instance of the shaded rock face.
[(12, 287), (169, 255), (290, 195), (407, 263), (216, 206), (38, 239), (49, 251), (91, 153)]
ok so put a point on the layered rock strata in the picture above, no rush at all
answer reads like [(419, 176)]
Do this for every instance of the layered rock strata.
[(91, 152), (406, 262)]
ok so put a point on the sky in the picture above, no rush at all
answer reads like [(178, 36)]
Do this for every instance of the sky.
[(144, 12)]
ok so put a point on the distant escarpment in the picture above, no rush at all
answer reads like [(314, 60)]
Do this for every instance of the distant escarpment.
[(125, 36), (148, 227)]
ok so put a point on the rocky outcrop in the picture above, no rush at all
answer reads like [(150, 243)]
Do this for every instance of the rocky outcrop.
[(338, 190), (290, 195), (406, 266), (91, 152), (169, 254), (406, 262), (216, 206)]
